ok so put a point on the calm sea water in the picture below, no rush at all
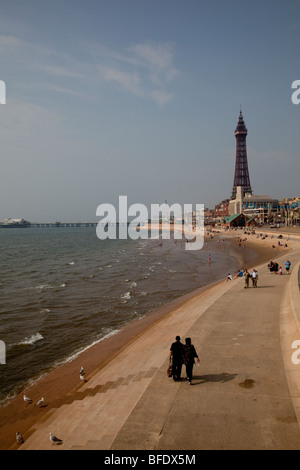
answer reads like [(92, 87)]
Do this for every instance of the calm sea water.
[(63, 289)]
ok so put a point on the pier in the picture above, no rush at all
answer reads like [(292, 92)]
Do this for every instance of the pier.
[(53, 224), (62, 224)]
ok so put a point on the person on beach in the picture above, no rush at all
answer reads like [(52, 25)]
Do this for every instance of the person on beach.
[(176, 355), (254, 277), (247, 276), (239, 273), (229, 277), (189, 354)]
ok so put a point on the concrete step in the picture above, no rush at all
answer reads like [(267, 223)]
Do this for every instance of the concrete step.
[(92, 414)]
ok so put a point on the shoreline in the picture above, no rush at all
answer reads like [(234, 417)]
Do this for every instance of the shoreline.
[(62, 383)]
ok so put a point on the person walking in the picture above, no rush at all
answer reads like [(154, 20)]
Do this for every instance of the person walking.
[(247, 276), (176, 355), (254, 277), (189, 354), (271, 266), (287, 266)]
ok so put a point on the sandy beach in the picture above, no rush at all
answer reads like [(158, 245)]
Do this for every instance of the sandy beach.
[(61, 385)]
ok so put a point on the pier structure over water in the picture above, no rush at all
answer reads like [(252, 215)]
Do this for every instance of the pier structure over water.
[(62, 224), (26, 224)]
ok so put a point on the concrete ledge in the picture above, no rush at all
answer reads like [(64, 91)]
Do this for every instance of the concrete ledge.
[(290, 337)]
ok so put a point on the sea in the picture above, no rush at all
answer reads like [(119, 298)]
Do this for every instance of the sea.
[(62, 290)]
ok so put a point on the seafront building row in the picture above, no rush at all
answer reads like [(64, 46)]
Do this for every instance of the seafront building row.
[(261, 207)]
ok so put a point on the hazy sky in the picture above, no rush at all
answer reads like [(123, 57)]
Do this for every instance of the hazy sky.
[(141, 98)]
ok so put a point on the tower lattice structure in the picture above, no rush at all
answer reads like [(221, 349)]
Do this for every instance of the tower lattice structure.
[(241, 173)]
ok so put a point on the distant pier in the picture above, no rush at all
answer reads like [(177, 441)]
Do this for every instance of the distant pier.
[(62, 224), (53, 224)]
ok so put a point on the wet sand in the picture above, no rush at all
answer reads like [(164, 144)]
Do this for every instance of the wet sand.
[(61, 385)]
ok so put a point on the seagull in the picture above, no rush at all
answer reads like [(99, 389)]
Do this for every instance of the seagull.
[(19, 438), (40, 402), (82, 378), (81, 371), (27, 399), (55, 439)]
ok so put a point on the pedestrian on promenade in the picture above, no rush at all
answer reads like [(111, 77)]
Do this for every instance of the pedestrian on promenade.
[(229, 277), (287, 266), (254, 277), (271, 266), (189, 354), (176, 355), (247, 276)]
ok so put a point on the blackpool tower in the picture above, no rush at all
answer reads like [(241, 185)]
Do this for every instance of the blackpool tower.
[(241, 173)]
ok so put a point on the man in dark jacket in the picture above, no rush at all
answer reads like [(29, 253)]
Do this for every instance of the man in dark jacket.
[(176, 354)]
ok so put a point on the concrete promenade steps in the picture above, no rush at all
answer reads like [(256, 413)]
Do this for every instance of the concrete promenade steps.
[(240, 397), (81, 420)]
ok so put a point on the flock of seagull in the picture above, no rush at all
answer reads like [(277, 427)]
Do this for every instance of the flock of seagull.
[(40, 403)]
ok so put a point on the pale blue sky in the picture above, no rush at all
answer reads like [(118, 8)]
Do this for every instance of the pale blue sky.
[(141, 98)]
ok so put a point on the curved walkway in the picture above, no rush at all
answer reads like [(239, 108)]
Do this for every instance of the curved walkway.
[(240, 397)]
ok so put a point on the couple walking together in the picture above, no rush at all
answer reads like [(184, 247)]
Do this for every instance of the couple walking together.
[(183, 354), (248, 276)]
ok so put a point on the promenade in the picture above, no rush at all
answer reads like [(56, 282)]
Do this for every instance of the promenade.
[(245, 393)]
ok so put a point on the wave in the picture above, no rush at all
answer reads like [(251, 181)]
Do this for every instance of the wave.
[(126, 296), (131, 283), (85, 348), (42, 286), (45, 286), (29, 341)]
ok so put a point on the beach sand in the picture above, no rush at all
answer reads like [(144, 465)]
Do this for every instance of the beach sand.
[(60, 386)]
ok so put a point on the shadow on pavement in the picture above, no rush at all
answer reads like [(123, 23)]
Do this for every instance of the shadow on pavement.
[(224, 377)]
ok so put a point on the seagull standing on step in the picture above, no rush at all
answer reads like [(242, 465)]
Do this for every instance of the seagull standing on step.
[(82, 378), (55, 439), (27, 399), (40, 402), (19, 438), (81, 371)]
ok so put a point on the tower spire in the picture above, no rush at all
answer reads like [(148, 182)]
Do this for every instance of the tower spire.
[(241, 174)]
